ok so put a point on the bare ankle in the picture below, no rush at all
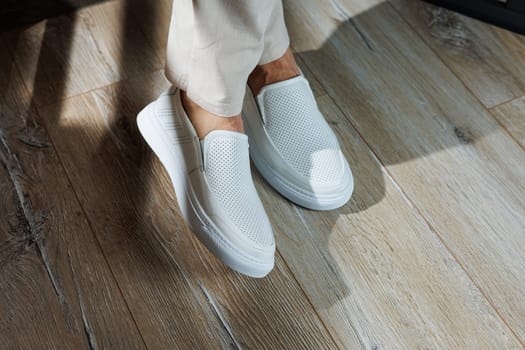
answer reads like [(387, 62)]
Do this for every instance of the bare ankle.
[(204, 122), (281, 69)]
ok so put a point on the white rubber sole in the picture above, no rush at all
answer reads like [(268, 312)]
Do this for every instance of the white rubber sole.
[(172, 158), (296, 194)]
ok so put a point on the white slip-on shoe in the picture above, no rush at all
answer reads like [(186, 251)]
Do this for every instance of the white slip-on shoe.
[(294, 148), (213, 185)]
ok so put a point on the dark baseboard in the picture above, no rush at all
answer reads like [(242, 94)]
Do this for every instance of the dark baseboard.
[(16, 13), (509, 15)]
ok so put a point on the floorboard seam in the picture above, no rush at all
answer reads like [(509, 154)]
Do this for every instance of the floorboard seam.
[(436, 54), (219, 315), (97, 88), (12, 164), (327, 328), (88, 330), (418, 211)]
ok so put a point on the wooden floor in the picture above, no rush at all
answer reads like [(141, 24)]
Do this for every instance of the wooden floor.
[(429, 107)]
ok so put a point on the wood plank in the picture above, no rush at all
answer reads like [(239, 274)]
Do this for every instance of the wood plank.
[(375, 269), (460, 169), (161, 267), (155, 26), (57, 289), (94, 47), (489, 60), (512, 116), (33, 313), (169, 309)]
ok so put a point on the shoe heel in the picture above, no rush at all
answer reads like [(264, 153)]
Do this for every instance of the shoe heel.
[(172, 159)]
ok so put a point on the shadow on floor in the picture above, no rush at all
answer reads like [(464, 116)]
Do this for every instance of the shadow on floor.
[(363, 91)]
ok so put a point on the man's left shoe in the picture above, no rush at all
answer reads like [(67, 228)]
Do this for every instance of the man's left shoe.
[(294, 148)]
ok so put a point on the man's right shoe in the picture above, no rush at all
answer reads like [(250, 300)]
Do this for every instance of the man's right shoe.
[(213, 185)]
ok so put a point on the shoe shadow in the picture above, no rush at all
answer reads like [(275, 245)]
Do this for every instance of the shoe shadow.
[(112, 170), (340, 66), (361, 89), (109, 167)]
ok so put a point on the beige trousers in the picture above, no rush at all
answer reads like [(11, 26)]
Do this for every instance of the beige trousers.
[(213, 46)]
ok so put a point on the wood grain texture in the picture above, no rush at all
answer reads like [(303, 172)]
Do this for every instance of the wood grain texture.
[(512, 116), (362, 265), (154, 22), (28, 290), (57, 289), (429, 252), (450, 158), (92, 48), (489, 60), (180, 295), (168, 307)]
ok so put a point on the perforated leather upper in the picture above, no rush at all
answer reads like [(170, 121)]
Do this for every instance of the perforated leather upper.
[(227, 168), (299, 131)]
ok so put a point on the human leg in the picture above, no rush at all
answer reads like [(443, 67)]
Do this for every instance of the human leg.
[(213, 47)]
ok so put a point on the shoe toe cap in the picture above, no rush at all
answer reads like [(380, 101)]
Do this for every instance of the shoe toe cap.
[(330, 178)]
